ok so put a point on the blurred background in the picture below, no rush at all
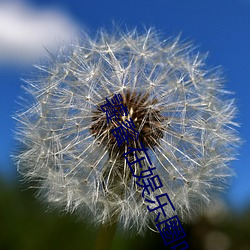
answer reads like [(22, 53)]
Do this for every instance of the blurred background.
[(28, 28)]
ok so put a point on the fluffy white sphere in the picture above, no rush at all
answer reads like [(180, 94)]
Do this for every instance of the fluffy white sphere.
[(184, 117)]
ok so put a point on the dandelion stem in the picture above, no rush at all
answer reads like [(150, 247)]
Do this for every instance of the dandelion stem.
[(105, 236)]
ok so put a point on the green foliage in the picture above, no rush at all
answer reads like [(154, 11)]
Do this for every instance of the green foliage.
[(24, 225)]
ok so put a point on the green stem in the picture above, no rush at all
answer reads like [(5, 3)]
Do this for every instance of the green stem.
[(105, 236)]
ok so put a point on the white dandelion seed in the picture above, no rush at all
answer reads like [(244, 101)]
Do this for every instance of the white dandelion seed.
[(184, 117)]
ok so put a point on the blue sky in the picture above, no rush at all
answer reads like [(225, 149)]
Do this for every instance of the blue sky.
[(221, 27)]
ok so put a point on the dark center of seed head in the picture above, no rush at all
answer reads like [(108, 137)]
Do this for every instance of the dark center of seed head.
[(147, 119)]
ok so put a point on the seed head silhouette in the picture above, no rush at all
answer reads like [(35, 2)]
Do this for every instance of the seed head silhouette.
[(182, 113)]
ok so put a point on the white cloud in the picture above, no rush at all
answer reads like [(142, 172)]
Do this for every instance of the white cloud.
[(25, 31)]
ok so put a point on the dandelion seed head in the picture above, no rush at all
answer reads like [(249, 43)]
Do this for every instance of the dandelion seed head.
[(184, 116)]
